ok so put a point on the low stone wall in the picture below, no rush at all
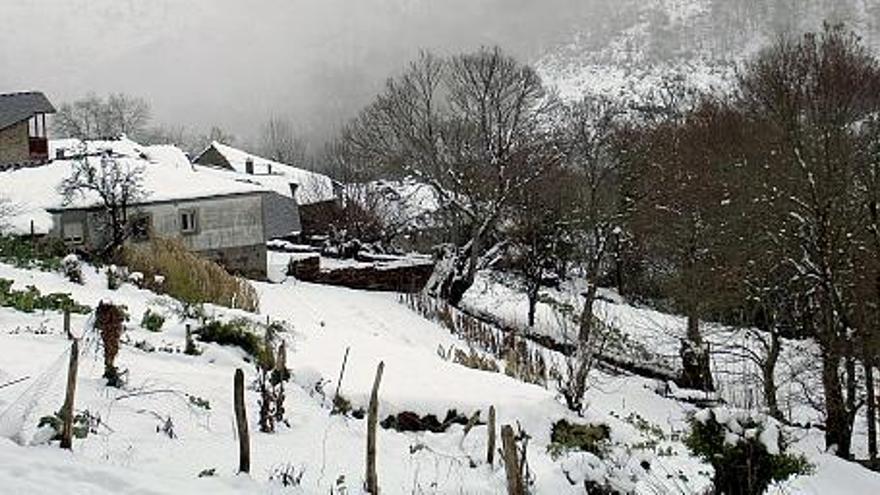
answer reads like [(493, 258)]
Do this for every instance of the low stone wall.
[(246, 261), (408, 278)]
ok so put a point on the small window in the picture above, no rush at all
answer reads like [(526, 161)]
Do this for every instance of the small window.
[(188, 222), (73, 232), (140, 228)]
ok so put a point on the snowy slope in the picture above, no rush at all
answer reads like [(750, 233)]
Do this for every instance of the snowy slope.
[(128, 454)]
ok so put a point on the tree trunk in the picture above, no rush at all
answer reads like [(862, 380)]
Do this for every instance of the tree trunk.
[(67, 410), (696, 371), (837, 430), (533, 303), (871, 410), (244, 443), (372, 481), (769, 375)]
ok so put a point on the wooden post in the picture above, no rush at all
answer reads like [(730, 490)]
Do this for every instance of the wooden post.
[(490, 450), (67, 324), (341, 373), (244, 444), (67, 408), (372, 483), (511, 463)]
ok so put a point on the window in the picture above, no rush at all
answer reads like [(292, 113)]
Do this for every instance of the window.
[(188, 221), (141, 226), (73, 232)]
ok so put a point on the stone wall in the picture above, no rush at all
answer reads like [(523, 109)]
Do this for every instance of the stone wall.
[(14, 144), (246, 261), (408, 278)]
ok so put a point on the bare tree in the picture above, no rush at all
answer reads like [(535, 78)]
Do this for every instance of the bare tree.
[(279, 141), (115, 184), (127, 114), (814, 96), (475, 128), (94, 117)]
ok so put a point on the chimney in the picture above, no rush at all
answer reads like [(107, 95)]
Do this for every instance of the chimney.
[(269, 168), (293, 186), (249, 166)]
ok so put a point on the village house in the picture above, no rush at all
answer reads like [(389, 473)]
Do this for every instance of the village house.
[(213, 213), (23, 137), (301, 194)]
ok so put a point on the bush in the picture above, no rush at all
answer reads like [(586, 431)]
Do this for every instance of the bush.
[(746, 449), (23, 252), (114, 277), (152, 321), (83, 424), (109, 320), (71, 266), (187, 276), (30, 300), (239, 333), (565, 437)]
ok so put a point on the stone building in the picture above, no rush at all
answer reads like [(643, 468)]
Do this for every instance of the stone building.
[(23, 129), (306, 195), (212, 212)]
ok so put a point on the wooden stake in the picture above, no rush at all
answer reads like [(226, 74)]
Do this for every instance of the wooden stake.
[(67, 324), (372, 483), (341, 373), (490, 450), (511, 463), (67, 408), (244, 444)]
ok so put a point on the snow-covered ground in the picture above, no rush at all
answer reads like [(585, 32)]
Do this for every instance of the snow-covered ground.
[(130, 454)]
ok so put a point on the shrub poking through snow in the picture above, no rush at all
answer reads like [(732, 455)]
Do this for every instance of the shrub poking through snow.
[(746, 449), (30, 300), (109, 320), (238, 332), (152, 321), (71, 267), (114, 277), (567, 437), (188, 277), (83, 424), (22, 252)]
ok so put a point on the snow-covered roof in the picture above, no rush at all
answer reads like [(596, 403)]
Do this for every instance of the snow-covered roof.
[(167, 175), (311, 188)]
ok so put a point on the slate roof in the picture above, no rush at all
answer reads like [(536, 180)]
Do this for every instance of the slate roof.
[(15, 107)]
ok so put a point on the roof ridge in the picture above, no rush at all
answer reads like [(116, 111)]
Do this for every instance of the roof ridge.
[(20, 93)]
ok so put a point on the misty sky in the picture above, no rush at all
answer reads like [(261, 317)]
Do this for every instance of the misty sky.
[(232, 63), (235, 63)]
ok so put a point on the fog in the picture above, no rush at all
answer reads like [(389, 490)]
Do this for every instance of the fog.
[(233, 63)]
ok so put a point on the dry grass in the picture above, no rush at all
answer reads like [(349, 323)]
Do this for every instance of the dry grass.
[(189, 277)]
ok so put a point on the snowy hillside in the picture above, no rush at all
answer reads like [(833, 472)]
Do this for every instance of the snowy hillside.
[(131, 449), (699, 41)]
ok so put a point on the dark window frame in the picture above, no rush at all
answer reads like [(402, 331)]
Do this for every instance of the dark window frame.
[(193, 214)]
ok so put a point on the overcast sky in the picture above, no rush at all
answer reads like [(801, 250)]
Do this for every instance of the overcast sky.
[(232, 63)]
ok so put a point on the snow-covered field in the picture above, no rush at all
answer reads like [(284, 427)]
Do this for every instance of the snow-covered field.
[(130, 454)]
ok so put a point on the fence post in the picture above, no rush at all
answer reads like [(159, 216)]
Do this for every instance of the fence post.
[(490, 450), (67, 324), (372, 482), (67, 408), (511, 463), (244, 444)]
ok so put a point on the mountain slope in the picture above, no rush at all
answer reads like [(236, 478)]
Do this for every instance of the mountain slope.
[(699, 41)]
